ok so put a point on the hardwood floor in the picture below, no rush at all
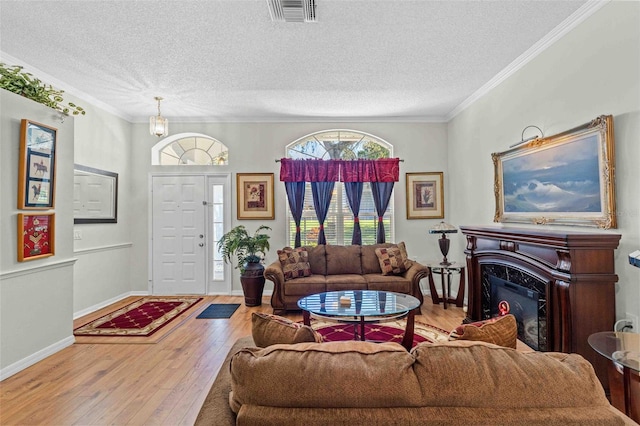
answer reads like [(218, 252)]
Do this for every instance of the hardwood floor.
[(120, 382)]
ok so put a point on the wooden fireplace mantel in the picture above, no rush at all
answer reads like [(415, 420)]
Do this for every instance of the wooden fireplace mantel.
[(578, 268)]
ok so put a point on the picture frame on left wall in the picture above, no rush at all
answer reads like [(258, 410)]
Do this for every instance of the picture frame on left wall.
[(36, 235), (37, 168)]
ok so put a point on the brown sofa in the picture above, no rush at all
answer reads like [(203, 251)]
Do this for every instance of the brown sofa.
[(363, 383), (336, 268)]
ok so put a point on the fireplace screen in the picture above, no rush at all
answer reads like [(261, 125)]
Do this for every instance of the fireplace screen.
[(509, 290)]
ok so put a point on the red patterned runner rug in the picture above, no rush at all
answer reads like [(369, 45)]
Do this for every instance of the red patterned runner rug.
[(382, 332), (140, 318)]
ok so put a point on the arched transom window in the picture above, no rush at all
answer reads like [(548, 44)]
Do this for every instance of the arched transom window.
[(339, 144), (338, 227), (190, 149)]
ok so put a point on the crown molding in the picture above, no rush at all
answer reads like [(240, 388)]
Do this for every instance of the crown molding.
[(575, 19), (302, 119)]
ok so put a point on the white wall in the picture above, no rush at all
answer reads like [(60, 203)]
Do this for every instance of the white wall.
[(102, 272), (253, 147), (593, 70), (36, 297)]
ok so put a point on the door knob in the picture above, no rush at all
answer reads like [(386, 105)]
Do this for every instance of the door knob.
[(201, 236), (201, 244)]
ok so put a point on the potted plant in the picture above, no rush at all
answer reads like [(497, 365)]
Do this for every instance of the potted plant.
[(249, 251)]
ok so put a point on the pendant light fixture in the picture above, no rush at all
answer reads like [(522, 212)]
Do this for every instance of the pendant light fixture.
[(158, 125)]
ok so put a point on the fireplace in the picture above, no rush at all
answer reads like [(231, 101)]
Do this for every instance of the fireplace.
[(510, 290), (559, 285)]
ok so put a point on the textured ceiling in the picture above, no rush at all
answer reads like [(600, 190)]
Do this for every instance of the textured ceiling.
[(226, 60)]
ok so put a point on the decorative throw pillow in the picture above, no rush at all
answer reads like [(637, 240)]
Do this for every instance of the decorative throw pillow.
[(403, 250), (502, 331), (295, 262), (270, 330), (392, 262)]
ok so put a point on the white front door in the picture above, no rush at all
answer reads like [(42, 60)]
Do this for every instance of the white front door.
[(179, 242), (190, 213)]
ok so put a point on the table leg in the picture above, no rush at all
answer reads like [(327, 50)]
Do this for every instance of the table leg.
[(460, 298), (626, 377), (444, 289), (432, 288), (407, 339), (633, 394), (362, 329), (306, 318)]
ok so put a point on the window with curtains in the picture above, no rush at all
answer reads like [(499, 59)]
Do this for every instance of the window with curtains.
[(338, 227)]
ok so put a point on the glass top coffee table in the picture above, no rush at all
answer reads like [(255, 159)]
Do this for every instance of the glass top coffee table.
[(360, 307)]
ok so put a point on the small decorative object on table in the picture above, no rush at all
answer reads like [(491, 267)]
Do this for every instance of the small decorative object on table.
[(345, 300), (444, 229)]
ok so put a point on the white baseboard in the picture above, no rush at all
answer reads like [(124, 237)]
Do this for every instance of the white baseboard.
[(68, 341), (18, 366), (108, 302)]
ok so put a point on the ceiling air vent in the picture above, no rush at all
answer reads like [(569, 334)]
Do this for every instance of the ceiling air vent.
[(292, 10)]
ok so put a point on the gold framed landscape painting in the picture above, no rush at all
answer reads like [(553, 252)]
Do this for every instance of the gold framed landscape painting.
[(425, 195), (565, 179), (255, 196)]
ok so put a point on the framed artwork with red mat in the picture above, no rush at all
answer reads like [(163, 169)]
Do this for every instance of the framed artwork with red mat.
[(140, 318), (36, 235)]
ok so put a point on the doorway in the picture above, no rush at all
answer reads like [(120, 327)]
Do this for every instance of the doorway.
[(190, 213)]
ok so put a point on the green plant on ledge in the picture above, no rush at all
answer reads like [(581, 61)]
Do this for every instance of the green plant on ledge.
[(13, 79), (245, 247)]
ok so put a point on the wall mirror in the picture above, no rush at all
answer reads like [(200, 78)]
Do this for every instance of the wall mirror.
[(95, 195)]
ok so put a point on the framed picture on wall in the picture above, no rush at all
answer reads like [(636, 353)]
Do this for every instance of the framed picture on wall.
[(565, 179), (255, 196), (36, 171), (425, 195), (36, 235)]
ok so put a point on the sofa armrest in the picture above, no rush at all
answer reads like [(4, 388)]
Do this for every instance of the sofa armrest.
[(415, 273), (274, 273)]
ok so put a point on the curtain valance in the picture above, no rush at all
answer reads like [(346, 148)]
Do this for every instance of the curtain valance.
[(309, 170), (381, 170)]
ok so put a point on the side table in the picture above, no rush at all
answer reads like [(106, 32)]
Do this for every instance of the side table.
[(623, 349), (446, 271)]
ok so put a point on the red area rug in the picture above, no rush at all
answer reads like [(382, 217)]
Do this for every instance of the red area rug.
[(141, 318), (385, 332)]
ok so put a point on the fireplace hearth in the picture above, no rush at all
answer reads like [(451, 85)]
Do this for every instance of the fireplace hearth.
[(561, 284)]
